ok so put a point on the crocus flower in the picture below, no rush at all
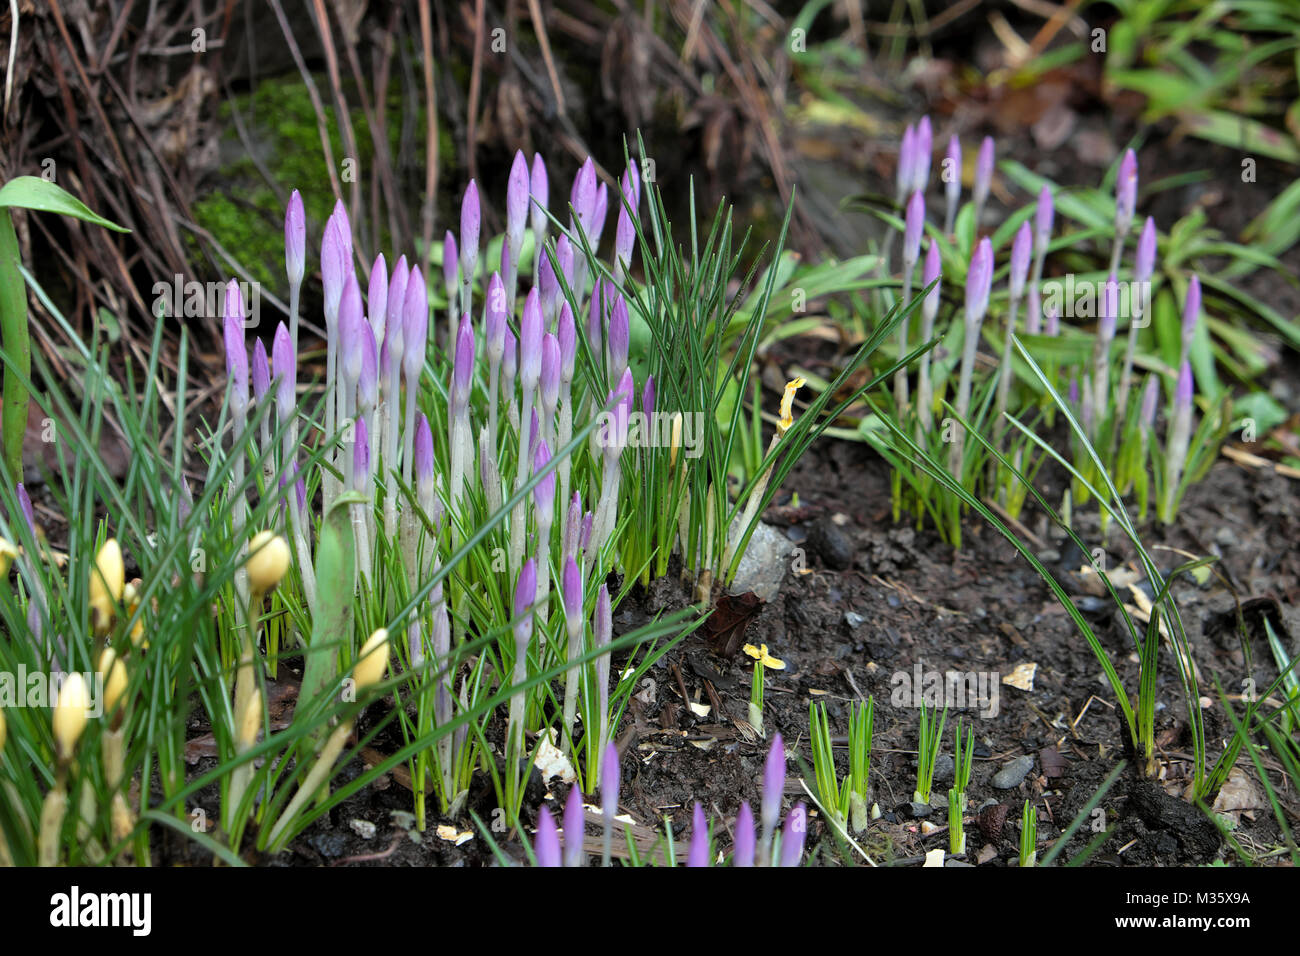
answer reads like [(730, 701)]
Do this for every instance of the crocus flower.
[(425, 492), (1191, 315), (924, 147), (295, 240), (377, 298), (531, 330), (773, 788), (1144, 263), (368, 379), (698, 854), (572, 525), (548, 286), (914, 228), (1020, 252), (352, 327), (544, 491), (599, 213), (70, 714), (463, 366), (979, 279), (574, 828), (360, 457), (284, 370), (516, 207), (931, 273), (547, 843), (742, 853), (1126, 192), (792, 839), (549, 381), (625, 237), (1150, 395), (952, 181), (525, 597), (470, 219), (539, 192), (415, 331), (619, 336), (609, 784), (334, 265), (261, 372), (1043, 216), (583, 195), (236, 353), (648, 397), (983, 176), (906, 164)]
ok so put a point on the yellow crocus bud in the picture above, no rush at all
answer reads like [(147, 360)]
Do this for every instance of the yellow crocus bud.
[(250, 722), (268, 561), (676, 441), (107, 579), (70, 716), (115, 681), (7, 554), (373, 660), (131, 603), (787, 412)]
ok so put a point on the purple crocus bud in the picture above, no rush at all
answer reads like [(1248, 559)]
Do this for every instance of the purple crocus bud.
[(517, 202), (377, 298), (564, 258), (615, 437), (625, 237), (698, 855), (914, 227), (360, 455), (599, 213), (334, 266), (423, 461), (352, 327), (547, 843), (648, 398), (1020, 252), (1034, 312), (574, 829), (619, 334), (495, 319), (29, 515), (548, 285), (773, 785), (544, 490), (952, 172), (236, 352), (603, 622), (1191, 312), (1186, 388), (1144, 263), (530, 342), (284, 370), (539, 192), (566, 335), (394, 328), (572, 525), (933, 270), (525, 595), (1150, 394), (742, 853), (1107, 310), (924, 147), (796, 829), (983, 173), (979, 280), (1051, 321), (295, 240), (340, 215), (463, 373), (368, 380), (1043, 216), (571, 589), (583, 196), (534, 433), (261, 371), (415, 326), (549, 381), (450, 267), (609, 783), (1126, 187), (469, 230), (584, 538), (509, 362), (906, 163)]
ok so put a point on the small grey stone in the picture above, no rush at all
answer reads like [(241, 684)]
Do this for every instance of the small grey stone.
[(832, 543), (854, 620), (763, 565), (1225, 537), (1013, 773), (917, 810), (943, 768)]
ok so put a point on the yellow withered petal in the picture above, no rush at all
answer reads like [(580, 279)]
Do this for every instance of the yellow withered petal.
[(787, 403), (70, 715), (268, 561), (113, 672), (373, 660), (760, 654)]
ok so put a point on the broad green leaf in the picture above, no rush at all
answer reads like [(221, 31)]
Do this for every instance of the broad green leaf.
[(32, 192)]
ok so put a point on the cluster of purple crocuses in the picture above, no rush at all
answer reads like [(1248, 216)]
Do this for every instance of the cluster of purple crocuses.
[(1090, 393), (752, 846), (382, 357)]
